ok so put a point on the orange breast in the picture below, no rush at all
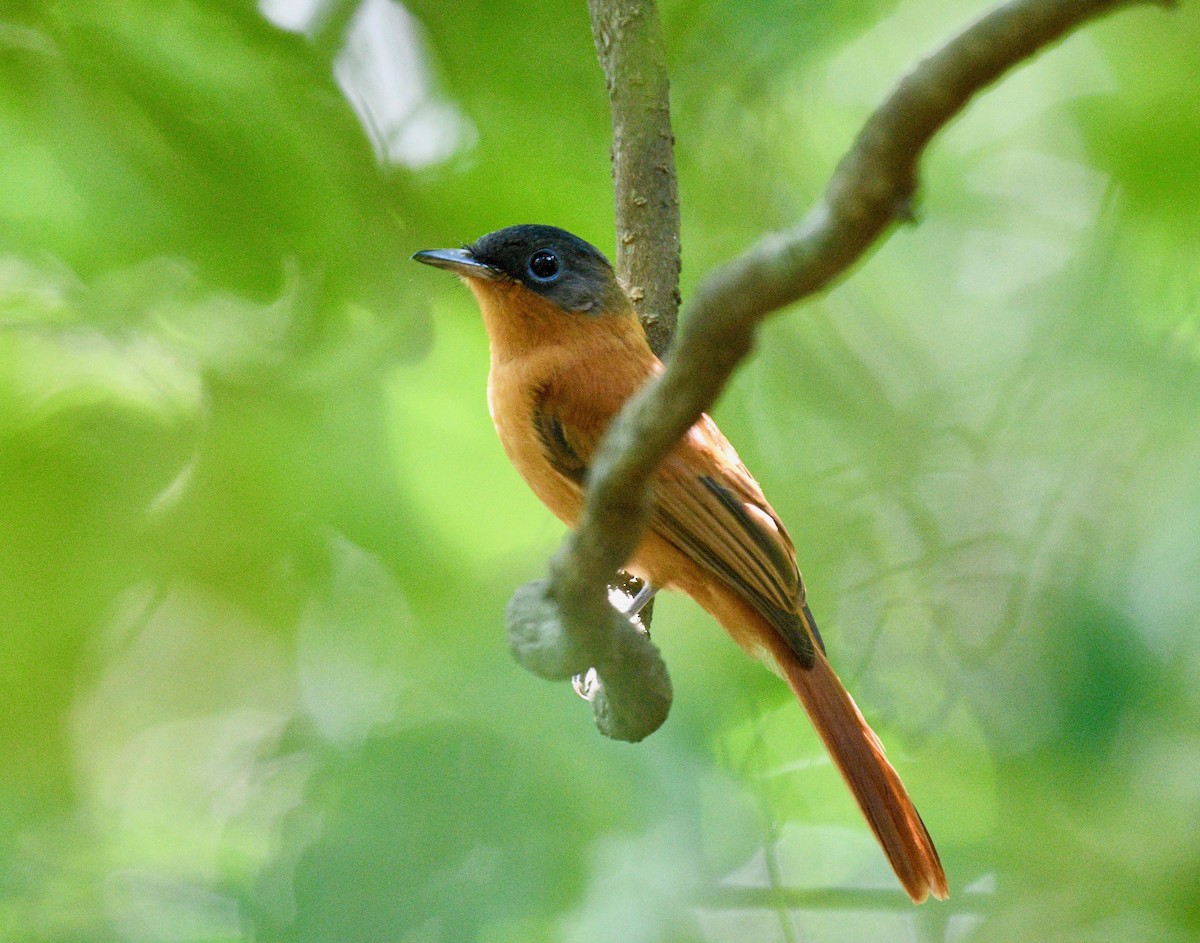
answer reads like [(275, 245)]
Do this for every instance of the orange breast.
[(581, 367), (513, 391)]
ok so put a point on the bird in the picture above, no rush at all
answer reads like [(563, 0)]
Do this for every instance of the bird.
[(566, 352)]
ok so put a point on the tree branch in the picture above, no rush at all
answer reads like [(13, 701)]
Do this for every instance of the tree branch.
[(629, 45), (633, 692), (872, 187)]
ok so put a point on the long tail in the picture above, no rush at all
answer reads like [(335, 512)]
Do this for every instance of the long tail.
[(875, 785), (852, 744)]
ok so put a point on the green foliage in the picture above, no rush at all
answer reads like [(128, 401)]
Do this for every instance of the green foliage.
[(257, 535)]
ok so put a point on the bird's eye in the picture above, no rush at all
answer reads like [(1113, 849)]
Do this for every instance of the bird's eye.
[(543, 265)]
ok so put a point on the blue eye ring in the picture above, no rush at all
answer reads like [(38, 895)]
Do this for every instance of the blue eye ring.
[(543, 265)]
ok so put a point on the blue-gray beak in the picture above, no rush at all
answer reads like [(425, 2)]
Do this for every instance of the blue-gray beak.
[(459, 261)]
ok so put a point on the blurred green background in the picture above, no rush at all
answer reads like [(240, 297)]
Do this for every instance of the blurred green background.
[(256, 534)]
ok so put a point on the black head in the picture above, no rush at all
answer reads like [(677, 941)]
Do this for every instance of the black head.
[(560, 267)]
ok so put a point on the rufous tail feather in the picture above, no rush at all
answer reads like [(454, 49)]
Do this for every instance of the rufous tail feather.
[(876, 786)]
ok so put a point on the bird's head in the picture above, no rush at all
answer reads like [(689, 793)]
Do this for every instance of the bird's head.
[(534, 277)]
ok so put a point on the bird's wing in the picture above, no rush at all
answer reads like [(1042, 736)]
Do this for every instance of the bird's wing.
[(566, 449), (710, 508)]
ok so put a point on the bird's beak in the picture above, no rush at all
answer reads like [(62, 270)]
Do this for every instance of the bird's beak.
[(459, 261)]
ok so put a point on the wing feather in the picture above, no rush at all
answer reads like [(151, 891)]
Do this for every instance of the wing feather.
[(711, 508)]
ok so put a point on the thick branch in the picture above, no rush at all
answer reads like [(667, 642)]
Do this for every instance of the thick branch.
[(629, 45), (871, 188)]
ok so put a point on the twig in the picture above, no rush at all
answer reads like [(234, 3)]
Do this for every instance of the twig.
[(871, 188), (741, 899)]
